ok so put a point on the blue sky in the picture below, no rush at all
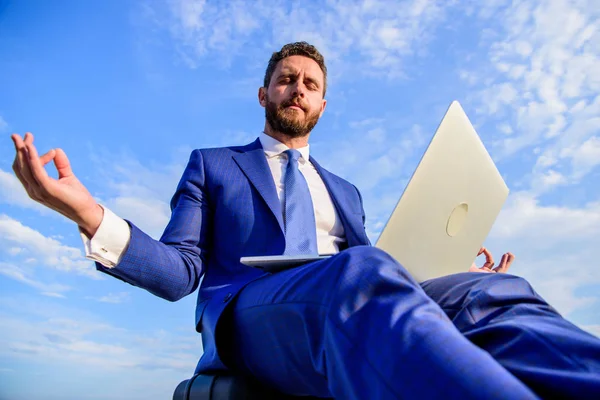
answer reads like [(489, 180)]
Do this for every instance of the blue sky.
[(129, 88)]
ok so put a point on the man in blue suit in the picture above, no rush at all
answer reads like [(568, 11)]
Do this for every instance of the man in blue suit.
[(353, 326)]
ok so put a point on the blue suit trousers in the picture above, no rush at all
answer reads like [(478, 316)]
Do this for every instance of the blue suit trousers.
[(358, 326)]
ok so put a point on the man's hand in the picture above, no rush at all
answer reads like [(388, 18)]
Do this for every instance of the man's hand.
[(488, 267), (66, 195)]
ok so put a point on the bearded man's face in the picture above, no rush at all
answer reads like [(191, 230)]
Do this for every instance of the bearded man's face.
[(294, 100)]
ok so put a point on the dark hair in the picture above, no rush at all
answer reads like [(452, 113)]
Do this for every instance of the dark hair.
[(296, 49)]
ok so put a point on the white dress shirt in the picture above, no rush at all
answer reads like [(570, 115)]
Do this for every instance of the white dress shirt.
[(113, 235), (330, 231)]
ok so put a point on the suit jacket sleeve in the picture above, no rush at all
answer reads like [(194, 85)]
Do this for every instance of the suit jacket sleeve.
[(362, 210), (171, 267)]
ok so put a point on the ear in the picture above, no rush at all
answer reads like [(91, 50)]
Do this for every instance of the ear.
[(262, 96), (323, 105)]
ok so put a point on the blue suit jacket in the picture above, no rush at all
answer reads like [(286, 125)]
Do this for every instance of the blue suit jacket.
[(225, 207)]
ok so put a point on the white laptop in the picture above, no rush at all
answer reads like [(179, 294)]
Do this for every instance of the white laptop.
[(446, 211)]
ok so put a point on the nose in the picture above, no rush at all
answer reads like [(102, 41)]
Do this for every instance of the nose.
[(298, 89)]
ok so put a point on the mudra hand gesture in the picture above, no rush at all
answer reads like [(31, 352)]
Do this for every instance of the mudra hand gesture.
[(488, 266), (66, 195)]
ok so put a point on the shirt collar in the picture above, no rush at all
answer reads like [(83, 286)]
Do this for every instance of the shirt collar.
[(274, 147)]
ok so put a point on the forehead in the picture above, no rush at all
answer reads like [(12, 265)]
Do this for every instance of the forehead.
[(296, 64)]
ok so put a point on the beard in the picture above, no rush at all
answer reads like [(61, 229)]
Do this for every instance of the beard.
[(287, 121)]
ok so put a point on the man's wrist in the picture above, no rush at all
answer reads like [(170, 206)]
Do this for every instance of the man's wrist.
[(92, 220)]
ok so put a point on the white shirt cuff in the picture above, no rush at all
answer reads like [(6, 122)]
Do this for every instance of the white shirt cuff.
[(110, 241)]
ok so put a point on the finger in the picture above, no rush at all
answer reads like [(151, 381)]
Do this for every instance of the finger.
[(63, 166), (481, 250), (16, 138), (510, 257), (17, 170), (21, 146), (16, 166), (35, 165), (502, 266), (488, 255), (46, 158), (489, 259), (34, 190), (505, 263)]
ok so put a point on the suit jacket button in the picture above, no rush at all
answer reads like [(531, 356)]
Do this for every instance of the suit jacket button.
[(226, 299)]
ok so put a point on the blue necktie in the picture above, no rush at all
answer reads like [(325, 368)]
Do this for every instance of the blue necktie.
[(298, 212)]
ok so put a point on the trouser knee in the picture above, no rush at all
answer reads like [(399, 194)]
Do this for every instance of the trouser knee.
[(366, 272), (505, 287), (362, 264), (499, 293)]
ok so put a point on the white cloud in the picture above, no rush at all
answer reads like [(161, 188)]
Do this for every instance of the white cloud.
[(113, 298), (506, 129), (53, 294), (12, 192), (13, 251), (559, 278), (584, 157), (151, 215), (23, 276), (83, 343), (524, 218), (555, 248), (559, 291), (541, 80), (546, 180), (375, 33), (48, 251), (190, 13), (139, 192), (366, 123), (385, 148)]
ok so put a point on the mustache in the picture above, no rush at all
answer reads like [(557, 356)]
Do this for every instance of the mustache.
[(294, 102)]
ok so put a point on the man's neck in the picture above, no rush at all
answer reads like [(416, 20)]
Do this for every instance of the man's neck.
[(292, 143)]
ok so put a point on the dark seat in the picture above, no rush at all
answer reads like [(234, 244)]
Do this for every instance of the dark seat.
[(227, 387)]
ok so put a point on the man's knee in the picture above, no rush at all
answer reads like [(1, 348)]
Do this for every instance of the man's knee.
[(363, 252), (503, 292), (364, 271), (367, 263), (505, 286)]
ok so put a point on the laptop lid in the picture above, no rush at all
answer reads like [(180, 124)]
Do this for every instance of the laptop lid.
[(449, 205)]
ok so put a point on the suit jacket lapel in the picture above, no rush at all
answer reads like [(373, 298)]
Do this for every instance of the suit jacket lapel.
[(254, 165), (352, 226)]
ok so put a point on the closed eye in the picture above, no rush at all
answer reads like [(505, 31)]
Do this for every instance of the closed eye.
[(312, 85), (285, 79)]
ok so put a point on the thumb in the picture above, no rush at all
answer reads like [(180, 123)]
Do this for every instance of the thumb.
[(62, 164)]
